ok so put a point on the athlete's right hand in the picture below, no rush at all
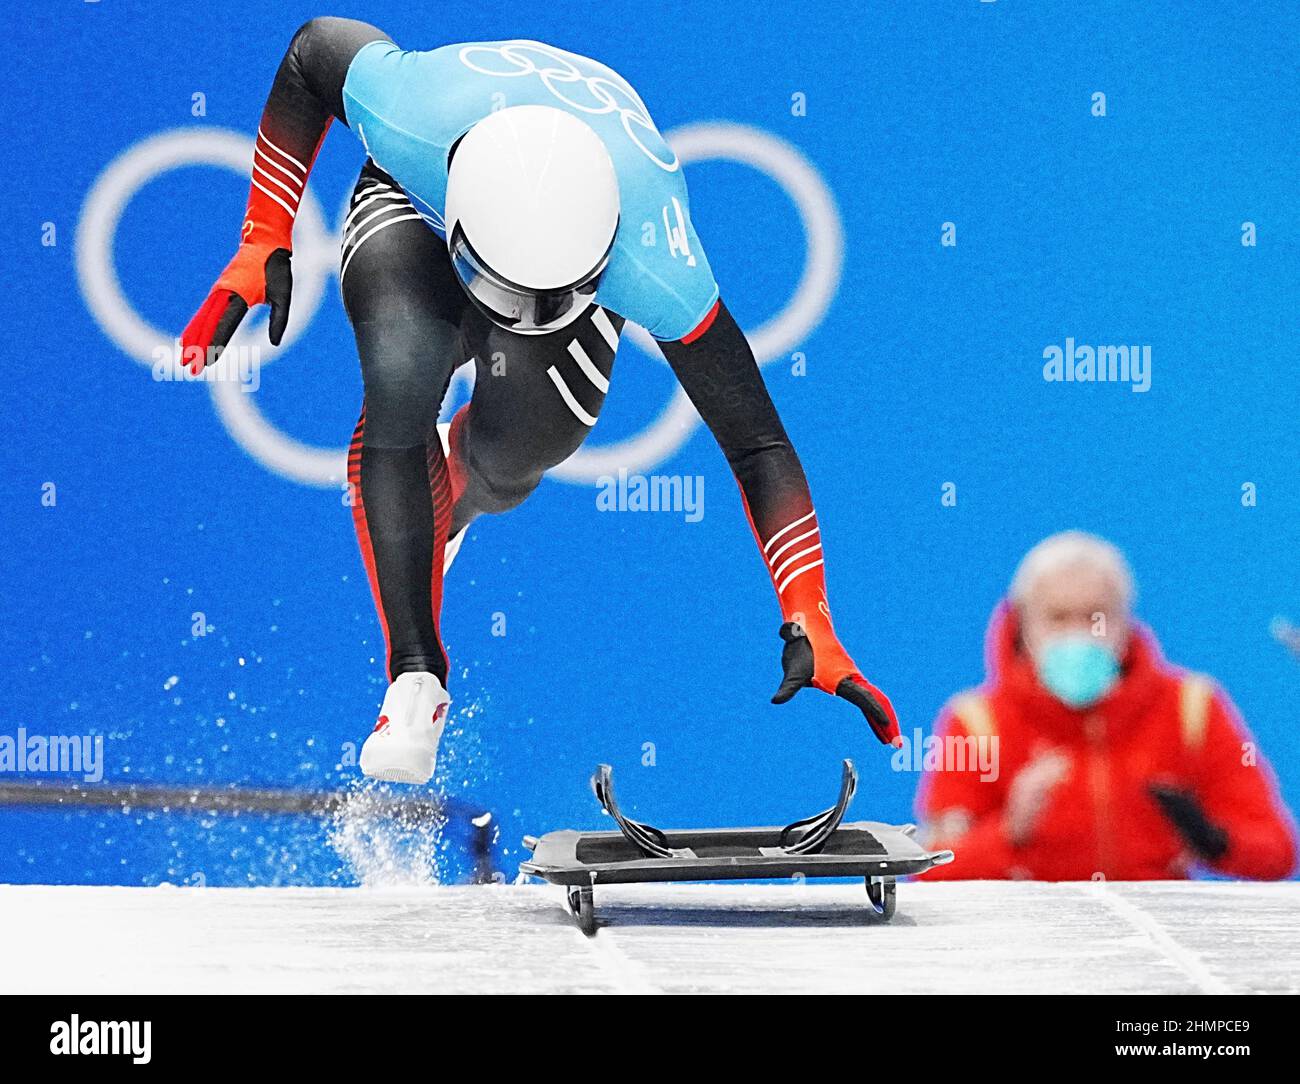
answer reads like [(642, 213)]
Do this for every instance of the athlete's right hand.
[(256, 275)]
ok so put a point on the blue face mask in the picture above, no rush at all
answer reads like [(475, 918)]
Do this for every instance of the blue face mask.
[(1077, 670)]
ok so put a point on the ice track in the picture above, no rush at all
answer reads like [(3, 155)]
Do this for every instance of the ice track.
[(980, 937)]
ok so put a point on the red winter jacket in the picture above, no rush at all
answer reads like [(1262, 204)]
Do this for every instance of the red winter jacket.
[(1157, 725)]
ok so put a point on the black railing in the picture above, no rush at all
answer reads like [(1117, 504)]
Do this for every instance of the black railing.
[(232, 799)]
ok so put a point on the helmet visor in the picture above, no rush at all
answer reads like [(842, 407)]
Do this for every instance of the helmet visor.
[(517, 308)]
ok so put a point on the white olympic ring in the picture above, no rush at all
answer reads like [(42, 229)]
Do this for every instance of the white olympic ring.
[(315, 253), (316, 258)]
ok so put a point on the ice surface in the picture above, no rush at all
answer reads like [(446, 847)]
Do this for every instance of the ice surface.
[(965, 938)]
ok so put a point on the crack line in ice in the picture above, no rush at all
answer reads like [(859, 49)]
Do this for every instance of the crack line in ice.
[(1195, 968)]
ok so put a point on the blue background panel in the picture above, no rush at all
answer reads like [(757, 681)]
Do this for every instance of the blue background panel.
[(635, 631)]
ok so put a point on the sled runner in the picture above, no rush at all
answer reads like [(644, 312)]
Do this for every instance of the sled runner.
[(818, 846)]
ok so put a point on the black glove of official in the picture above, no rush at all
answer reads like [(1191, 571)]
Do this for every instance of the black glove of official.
[(1185, 812)]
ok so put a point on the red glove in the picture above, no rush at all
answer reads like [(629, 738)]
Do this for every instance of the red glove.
[(826, 666), (257, 274), (813, 654), (260, 271)]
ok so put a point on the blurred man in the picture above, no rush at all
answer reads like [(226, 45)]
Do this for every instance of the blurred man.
[(1111, 761)]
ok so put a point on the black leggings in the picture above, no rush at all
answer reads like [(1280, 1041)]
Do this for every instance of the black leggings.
[(535, 399)]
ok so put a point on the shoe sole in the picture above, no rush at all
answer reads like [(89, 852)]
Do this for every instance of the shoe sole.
[(398, 775)]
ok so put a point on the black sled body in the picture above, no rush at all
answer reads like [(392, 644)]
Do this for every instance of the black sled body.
[(819, 846)]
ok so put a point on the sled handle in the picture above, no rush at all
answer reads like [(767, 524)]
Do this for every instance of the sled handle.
[(816, 830), (649, 841)]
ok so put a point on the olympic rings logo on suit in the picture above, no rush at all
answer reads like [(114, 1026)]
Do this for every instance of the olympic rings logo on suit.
[(316, 249), (518, 56)]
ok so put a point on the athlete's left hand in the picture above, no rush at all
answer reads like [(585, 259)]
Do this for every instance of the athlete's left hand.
[(826, 666)]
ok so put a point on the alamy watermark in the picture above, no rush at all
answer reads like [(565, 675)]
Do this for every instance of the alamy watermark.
[(948, 753), (683, 494), (1084, 364), (72, 754), (240, 365), (115, 1038)]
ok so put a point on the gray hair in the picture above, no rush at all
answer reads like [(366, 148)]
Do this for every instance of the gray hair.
[(1072, 549)]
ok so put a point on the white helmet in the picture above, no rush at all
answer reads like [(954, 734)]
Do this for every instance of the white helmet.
[(531, 213)]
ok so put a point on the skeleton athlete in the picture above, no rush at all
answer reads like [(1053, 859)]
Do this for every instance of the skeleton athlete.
[(502, 212)]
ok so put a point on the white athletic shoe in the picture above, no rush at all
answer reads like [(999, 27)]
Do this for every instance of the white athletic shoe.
[(453, 544), (403, 747)]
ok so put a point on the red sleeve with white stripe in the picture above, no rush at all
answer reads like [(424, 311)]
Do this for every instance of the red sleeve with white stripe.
[(305, 97), (289, 136), (794, 557), (277, 184), (278, 180), (716, 367)]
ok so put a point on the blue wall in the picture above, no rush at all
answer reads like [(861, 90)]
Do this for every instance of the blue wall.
[(628, 629)]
